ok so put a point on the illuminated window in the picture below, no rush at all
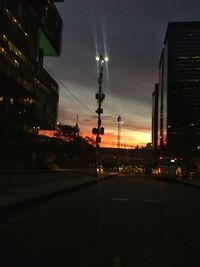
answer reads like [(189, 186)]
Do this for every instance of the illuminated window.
[(1, 98), (196, 57), (40, 84), (15, 50), (26, 85), (5, 37), (27, 101), (2, 51), (15, 21), (16, 62), (183, 57), (8, 57)]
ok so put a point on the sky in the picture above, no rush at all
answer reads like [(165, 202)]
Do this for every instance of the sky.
[(131, 33)]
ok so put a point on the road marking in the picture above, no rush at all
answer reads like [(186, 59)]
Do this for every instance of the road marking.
[(152, 200), (119, 199)]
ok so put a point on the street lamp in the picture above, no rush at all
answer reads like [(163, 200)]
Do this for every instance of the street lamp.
[(102, 59), (99, 97), (119, 122)]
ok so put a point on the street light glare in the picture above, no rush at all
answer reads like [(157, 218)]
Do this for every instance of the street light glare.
[(102, 59)]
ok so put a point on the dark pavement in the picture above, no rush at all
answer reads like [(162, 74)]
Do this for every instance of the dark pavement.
[(124, 221), (23, 186)]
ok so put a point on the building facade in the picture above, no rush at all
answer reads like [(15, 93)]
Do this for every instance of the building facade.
[(29, 30), (155, 117), (179, 90)]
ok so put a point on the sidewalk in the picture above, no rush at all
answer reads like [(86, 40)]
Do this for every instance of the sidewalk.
[(193, 181), (20, 189)]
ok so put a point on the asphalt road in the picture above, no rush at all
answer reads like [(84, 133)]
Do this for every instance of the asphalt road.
[(126, 221)]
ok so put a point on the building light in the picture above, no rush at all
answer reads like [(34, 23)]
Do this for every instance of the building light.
[(196, 57), (183, 57), (2, 49), (16, 63), (4, 37), (14, 20)]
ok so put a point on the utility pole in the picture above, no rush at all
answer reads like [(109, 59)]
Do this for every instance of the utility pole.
[(119, 125), (99, 130), (119, 122)]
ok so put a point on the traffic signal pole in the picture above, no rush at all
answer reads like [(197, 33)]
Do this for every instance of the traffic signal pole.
[(99, 130)]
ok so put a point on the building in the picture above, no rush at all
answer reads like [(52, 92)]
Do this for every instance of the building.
[(179, 90), (29, 31), (155, 118)]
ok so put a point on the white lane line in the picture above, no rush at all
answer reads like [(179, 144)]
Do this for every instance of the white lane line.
[(152, 200)]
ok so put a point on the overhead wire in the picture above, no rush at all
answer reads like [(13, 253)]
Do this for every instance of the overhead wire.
[(68, 90)]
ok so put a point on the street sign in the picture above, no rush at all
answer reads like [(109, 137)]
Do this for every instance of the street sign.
[(94, 131), (101, 130), (99, 111)]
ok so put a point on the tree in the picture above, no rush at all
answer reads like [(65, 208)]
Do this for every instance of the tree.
[(67, 132)]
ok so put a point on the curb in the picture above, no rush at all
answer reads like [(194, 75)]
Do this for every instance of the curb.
[(28, 171), (8, 212), (189, 184)]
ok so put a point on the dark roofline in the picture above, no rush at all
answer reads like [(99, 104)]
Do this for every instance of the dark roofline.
[(179, 23), (161, 57)]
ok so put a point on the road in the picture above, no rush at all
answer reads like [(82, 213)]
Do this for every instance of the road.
[(126, 221)]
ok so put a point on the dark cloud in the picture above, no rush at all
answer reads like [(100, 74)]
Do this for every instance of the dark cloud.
[(134, 32), (135, 125)]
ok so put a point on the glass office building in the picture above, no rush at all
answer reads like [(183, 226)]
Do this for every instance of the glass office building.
[(29, 30), (179, 89)]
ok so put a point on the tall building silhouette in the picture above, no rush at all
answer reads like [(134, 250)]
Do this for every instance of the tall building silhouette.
[(178, 128), (155, 117), (29, 31)]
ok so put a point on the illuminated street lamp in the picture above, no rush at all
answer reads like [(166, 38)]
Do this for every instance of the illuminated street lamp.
[(102, 59), (99, 97)]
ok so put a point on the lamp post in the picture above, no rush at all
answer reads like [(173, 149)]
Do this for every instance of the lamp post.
[(99, 97), (119, 122)]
